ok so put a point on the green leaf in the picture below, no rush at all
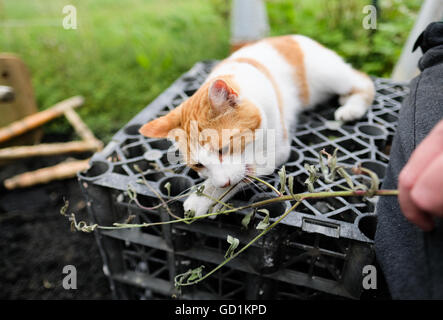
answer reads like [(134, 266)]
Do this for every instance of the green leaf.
[(196, 274), (282, 175), (323, 167), (132, 194), (312, 170), (188, 215), (199, 190), (167, 186), (291, 185), (247, 218), (332, 162), (342, 172), (265, 222), (64, 208), (234, 242), (188, 276)]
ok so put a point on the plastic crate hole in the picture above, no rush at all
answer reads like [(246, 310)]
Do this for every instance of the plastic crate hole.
[(294, 156), (291, 168), (371, 130), (382, 157), (193, 174), (132, 130), (310, 139), (327, 267), (244, 194), (351, 145), (179, 169), (340, 246), (150, 218), (214, 243), (398, 98), (178, 185), (142, 165), (134, 151), (147, 201), (119, 170), (331, 135), (388, 117), (154, 176), (177, 100), (361, 205), (346, 216), (378, 168), (114, 157), (367, 225), (128, 142), (97, 169), (326, 205), (161, 144), (275, 209), (190, 91)]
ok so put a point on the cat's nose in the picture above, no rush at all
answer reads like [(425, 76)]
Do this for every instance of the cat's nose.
[(227, 184)]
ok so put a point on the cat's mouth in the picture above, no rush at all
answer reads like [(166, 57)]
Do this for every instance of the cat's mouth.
[(250, 170)]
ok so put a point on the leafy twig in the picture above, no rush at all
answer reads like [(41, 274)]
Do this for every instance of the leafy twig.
[(146, 183), (266, 184)]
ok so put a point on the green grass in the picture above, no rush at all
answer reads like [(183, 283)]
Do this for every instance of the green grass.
[(125, 53)]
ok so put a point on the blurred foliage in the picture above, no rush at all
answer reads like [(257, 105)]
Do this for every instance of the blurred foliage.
[(338, 25), (125, 53)]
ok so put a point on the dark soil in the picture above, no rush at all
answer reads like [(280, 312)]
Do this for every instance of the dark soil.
[(36, 241)]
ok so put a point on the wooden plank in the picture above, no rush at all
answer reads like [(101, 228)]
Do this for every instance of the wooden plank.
[(14, 74), (33, 121), (82, 129), (60, 171), (47, 149)]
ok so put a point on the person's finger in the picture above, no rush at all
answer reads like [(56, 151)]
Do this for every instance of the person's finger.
[(411, 211), (429, 149), (427, 192)]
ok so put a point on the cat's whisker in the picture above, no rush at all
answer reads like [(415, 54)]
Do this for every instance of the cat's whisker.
[(253, 183), (182, 193)]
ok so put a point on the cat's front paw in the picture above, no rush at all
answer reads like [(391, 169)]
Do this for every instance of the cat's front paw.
[(200, 205), (350, 112)]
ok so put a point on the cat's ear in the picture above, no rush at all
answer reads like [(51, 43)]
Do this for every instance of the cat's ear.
[(222, 97), (159, 128)]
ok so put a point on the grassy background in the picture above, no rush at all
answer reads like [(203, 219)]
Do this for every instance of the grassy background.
[(125, 53)]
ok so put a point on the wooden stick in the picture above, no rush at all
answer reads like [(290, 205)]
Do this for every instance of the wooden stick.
[(48, 149), (35, 120), (82, 129), (60, 171)]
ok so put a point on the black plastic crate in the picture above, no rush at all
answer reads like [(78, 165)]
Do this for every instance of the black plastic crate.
[(318, 251)]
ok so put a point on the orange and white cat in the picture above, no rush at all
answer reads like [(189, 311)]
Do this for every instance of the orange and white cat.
[(262, 86)]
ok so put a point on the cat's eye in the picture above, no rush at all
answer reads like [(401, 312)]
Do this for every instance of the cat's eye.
[(198, 166), (223, 150)]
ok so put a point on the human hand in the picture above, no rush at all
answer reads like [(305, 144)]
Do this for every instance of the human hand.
[(420, 182)]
